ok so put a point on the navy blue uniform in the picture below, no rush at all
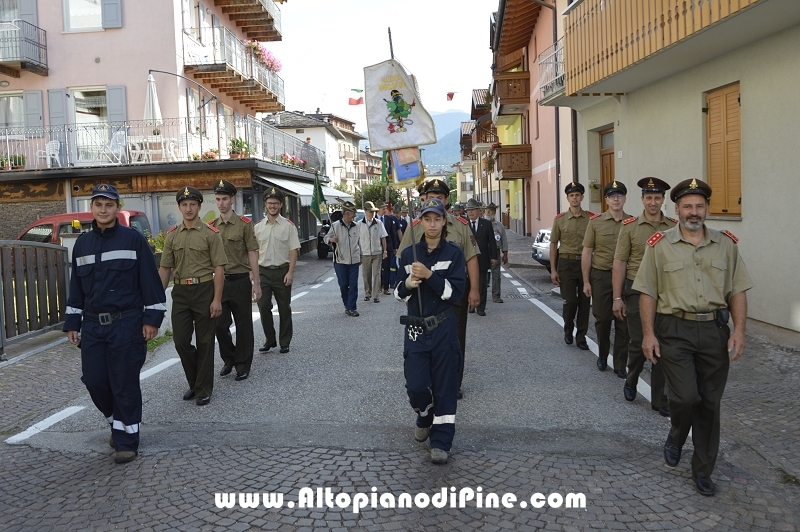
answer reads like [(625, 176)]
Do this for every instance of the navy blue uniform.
[(114, 272), (432, 358)]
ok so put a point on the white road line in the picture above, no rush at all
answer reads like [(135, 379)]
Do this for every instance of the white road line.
[(316, 286), (329, 279), (298, 296), (44, 424), (522, 290), (507, 275), (502, 269), (160, 367), (516, 283), (643, 388)]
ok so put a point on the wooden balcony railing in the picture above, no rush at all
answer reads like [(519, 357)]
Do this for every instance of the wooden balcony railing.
[(602, 37), (260, 20), (512, 87), (513, 161), (483, 136)]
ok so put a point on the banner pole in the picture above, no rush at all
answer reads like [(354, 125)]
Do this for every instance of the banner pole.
[(391, 48)]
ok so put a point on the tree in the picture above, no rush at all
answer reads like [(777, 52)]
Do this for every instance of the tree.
[(375, 191)]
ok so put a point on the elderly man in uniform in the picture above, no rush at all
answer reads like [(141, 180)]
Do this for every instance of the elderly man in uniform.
[(484, 237), (597, 260), (241, 284), (346, 257), (692, 280), (116, 304), (568, 229), (196, 253), (631, 243), (502, 250), (278, 247), (460, 234), (403, 221), (372, 237)]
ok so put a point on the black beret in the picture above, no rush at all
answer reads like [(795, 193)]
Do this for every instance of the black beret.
[(652, 185), (690, 186), (615, 187), (189, 193), (225, 187), (574, 187)]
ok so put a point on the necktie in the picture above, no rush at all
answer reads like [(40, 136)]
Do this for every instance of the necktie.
[(474, 227)]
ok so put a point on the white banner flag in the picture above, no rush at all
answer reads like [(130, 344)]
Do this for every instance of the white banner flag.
[(395, 116)]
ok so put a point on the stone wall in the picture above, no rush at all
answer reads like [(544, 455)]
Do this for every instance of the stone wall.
[(17, 216)]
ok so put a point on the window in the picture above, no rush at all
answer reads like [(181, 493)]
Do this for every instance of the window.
[(39, 233), (83, 15), (90, 106), (724, 151), (9, 10), (12, 110), (191, 18)]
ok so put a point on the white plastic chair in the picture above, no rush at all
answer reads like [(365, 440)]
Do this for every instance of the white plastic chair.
[(51, 150), (118, 148)]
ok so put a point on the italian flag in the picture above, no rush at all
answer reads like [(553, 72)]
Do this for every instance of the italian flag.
[(355, 97)]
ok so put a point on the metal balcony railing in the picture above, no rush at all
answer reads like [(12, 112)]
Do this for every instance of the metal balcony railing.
[(141, 142), (551, 69), (23, 42)]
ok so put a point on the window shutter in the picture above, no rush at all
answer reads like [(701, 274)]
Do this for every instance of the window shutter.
[(111, 13), (115, 100), (26, 10), (34, 113), (724, 151), (57, 108)]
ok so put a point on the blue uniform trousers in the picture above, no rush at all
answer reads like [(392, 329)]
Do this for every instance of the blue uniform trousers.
[(431, 366), (111, 358), (347, 277)]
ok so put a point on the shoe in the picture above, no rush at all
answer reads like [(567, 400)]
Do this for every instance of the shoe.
[(111, 441), (568, 339), (662, 410), (122, 457), (438, 456), (376, 300), (497, 300), (601, 363), (188, 395), (367, 298), (480, 312), (226, 370), (266, 347), (202, 401), (583, 345), (628, 392), (460, 394), (621, 373), (672, 453), (704, 486), (386, 292), (471, 310), (286, 349), (242, 376), (421, 433), (353, 313)]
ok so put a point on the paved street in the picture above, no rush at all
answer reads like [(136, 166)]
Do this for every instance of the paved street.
[(537, 417)]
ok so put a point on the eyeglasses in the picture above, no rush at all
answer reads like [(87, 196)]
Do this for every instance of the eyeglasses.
[(273, 204)]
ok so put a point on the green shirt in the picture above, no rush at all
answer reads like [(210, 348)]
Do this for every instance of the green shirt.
[(601, 236), (569, 230), (458, 232), (632, 240), (238, 239), (682, 277), (193, 252)]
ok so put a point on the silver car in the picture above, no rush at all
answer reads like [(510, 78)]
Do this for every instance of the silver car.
[(540, 250)]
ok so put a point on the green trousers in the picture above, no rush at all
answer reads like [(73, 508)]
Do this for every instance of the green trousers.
[(237, 307), (191, 313), (636, 357), (571, 277), (272, 284), (602, 304)]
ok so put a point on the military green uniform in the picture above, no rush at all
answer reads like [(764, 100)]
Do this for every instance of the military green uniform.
[(631, 244), (601, 236), (237, 306), (193, 253), (569, 229), (689, 284)]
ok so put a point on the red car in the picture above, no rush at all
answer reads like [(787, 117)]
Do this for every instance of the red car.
[(50, 228)]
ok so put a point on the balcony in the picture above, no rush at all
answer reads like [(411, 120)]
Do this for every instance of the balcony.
[(347, 152), (512, 96), (513, 161), (483, 138), (644, 42), (260, 20), (145, 143), (218, 59), (551, 71), (23, 46)]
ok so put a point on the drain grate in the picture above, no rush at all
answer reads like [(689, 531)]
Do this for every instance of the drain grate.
[(517, 296)]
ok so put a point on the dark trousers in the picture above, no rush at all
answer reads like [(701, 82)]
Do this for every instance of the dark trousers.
[(347, 277), (388, 269), (636, 357), (111, 358), (602, 303), (191, 313), (571, 277), (495, 274), (271, 280), (430, 364), (483, 289), (461, 310), (694, 357), (237, 307)]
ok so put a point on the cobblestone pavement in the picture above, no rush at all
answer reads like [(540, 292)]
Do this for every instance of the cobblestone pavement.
[(537, 418)]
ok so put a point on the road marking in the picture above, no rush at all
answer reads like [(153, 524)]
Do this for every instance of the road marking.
[(522, 290), (316, 286), (160, 367), (516, 283), (642, 387), (507, 275), (329, 279), (44, 424), (502, 269)]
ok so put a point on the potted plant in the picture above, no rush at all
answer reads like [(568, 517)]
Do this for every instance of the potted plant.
[(239, 148), (195, 156), (5, 164), (156, 131), (209, 155), (17, 160)]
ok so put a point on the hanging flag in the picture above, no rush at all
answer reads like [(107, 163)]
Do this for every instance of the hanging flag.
[(356, 98), (317, 198), (450, 96), (410, 169), (395, 116)]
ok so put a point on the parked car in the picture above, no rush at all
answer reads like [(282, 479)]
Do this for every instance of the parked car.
[(540, 250), (50, 228)]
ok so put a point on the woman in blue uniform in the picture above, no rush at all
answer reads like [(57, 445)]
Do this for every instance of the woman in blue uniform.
[(431, 279)]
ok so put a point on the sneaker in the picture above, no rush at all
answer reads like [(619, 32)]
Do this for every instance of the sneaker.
[(351, 312), (497, 300), (122, 457), (377, 300), (421, 433), (438, 456), (367, 298)]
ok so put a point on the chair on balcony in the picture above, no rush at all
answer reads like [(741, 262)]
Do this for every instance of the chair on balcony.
[(51, 151), (116, 151)]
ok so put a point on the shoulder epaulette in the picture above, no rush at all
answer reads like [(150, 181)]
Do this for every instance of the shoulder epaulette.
[(288, 220), (415, 222), (245, 219), (462, 220), (731, 236), (629, 220), (674, 220), (171, 229), (559, 215), (655, 238), (592, 215), (210, 225)]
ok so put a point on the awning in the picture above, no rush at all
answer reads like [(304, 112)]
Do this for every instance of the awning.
[(335, 196), (304, 191)]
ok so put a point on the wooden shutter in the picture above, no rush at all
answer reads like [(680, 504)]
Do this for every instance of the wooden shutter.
[(57, 116), (34, 113), (725, 151), (27, 11), (115, 100), (111, 11)]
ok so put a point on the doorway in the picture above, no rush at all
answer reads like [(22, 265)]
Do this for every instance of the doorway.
[(606, 162)]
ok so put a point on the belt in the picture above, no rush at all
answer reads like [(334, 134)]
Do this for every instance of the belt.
[(700, 316), (195, 280), (428, 323), (569, 257), (236, 276), (284, 265), (107, 318)]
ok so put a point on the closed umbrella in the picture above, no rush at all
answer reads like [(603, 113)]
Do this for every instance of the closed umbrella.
[(152, 112)]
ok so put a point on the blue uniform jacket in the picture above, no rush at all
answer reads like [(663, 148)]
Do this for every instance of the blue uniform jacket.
[(114, 271), (444, 288)]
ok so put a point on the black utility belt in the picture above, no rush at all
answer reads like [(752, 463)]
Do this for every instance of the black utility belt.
[(428, 323), (236, 276), (107, 318)]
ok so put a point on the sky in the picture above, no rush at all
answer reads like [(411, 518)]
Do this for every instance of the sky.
[(327, 43)]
